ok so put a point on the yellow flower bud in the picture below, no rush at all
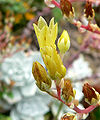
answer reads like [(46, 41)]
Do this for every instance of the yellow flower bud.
[(64, 42), (41, 77)]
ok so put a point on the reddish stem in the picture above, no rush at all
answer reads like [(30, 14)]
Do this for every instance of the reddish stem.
[(84, 111), (55, 3), (58, 91), (87, 110), (59, 98), (88, 28)]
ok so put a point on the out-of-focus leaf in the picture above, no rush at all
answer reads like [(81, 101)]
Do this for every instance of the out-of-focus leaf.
[(3, 117), (1, 94), (95, 115), (57, 14), (10, 94), (13, 6)]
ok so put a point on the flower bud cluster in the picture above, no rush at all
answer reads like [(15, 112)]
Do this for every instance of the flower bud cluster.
[(46, 36)]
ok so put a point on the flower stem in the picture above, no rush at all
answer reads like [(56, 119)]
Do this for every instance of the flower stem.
[(58, 91), (84, 111), (89, 28), (87, 110), (55, 3)]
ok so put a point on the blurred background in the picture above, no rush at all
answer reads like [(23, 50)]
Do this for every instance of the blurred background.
[(20, 99)]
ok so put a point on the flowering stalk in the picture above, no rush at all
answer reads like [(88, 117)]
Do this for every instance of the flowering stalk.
[(87, 27), (87, 110), (90, 27), (46, 36)]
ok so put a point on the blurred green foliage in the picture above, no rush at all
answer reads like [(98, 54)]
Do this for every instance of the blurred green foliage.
[(20, 6), (12, 5), (3, 117), (95, 115), (57, 14)]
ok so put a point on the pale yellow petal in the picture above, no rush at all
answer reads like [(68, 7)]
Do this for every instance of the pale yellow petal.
[(57, 76), (47, 50), (54, 32), (48, 37), (37, 30), (41, 22), (51, 24), (56, 58), (51, 65), (63, 69), (42, 37)]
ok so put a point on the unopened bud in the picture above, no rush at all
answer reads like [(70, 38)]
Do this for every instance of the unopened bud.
[(64, 42), (69, 116), (66, 8), (67, 92), (89, 11), (91, 95), (41, 77)]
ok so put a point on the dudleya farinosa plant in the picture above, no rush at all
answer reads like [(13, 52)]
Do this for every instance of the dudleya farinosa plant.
[(16, 74), (56, 71)]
